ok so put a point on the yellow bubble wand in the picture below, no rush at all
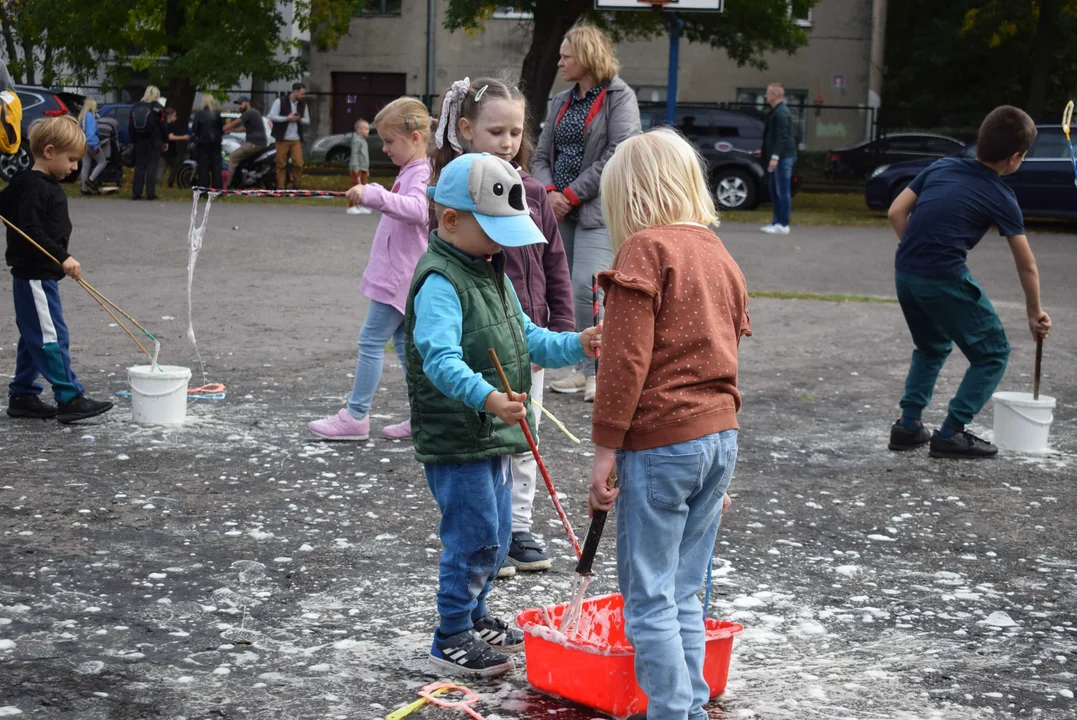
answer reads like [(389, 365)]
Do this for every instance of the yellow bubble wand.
[(1067, 116)]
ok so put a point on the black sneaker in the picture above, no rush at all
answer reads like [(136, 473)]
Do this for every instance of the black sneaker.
[(81, 408), (526, 554), (902, 439), (500, 635), (29, 406), (506, 570), (466, 654), (962, 446)]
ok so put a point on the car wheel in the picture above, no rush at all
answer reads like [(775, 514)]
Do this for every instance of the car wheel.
[(12, 164), (898, 188), (338, 156), (734, 189)]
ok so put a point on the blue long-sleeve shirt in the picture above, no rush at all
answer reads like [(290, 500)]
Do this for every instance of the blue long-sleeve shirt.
[(89, 126), (439, 327)]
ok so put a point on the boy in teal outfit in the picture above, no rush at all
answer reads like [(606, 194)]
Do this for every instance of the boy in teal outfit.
[(943, 213)]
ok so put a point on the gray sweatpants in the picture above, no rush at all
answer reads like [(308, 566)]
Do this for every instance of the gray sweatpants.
[(98, 161), (589, 251)]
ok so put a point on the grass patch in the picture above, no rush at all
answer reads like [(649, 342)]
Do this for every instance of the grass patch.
[(818, 209), (825, 297)]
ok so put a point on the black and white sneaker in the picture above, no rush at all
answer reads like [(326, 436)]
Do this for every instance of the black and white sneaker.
[(29, 406), (500, 635), (526, 554), (466, 654), (961, 446), (902, 439)]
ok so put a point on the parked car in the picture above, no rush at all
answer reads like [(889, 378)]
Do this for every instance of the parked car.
[(37, 102), (860, 160), (336, 150), (1044, 184), (728, 140)]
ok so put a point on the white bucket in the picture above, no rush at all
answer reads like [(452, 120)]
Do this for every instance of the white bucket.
[(158, 397), (1021, 423)]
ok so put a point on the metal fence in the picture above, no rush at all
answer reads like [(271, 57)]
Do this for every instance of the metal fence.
[(823, 127)]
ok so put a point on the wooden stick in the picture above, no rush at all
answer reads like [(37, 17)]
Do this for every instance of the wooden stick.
[(1039, 363), (538, 458)]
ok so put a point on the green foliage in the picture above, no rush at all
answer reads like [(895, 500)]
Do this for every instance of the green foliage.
[(950, 63)]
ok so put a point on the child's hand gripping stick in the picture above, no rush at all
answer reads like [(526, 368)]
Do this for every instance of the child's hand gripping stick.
[(538, 458)]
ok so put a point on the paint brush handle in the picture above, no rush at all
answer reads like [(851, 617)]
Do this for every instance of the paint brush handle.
[(594, 534), (1039, 365)]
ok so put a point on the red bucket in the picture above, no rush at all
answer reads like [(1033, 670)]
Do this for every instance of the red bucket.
[(595, 668)]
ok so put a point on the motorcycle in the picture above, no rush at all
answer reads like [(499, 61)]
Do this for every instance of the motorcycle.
[(257, 172)]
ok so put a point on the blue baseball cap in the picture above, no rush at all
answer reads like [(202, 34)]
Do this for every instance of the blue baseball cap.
[(490, 189)]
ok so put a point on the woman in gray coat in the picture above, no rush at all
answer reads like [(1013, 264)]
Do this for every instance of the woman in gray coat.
[(584, 125)]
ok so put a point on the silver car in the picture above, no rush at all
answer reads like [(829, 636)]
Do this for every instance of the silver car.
[(336, 150)]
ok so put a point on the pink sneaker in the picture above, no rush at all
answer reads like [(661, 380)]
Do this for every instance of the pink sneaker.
[(400, 431), (341, 426)]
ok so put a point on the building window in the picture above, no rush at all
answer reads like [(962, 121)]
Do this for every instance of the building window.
[(508, 12), (801, 16), (375, 8)]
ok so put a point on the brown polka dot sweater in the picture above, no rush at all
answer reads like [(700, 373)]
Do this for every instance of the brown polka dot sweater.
[(676, 308)]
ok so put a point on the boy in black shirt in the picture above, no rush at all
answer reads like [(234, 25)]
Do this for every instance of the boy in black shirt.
[(939, 217), (37, 205)]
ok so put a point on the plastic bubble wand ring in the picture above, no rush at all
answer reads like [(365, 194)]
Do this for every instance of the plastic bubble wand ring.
[(1067, 116)]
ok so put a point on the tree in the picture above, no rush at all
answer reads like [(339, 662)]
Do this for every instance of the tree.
[(185, 45), (948, 64), (745, 30)]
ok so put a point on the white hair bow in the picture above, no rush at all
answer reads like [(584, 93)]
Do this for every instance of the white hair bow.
[(450, 115)]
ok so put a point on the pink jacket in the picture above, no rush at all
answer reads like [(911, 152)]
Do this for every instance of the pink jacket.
[(401, 237)]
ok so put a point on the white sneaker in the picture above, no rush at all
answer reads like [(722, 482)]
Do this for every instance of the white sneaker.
[(365, 211), (589, 389), (354, 210), (781, 229), (767, 229), (574, 383)]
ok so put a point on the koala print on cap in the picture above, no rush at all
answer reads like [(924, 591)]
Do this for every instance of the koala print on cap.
[(496, 187)]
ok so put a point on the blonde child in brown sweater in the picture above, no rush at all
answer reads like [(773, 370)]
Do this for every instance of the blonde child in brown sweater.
[(666, 405)]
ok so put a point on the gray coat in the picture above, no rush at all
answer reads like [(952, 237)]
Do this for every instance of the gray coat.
[(617, 121)]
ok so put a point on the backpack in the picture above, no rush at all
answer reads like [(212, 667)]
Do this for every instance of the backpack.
[(142, 115)]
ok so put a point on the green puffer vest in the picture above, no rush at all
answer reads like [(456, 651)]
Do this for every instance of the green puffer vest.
[(446, 430)]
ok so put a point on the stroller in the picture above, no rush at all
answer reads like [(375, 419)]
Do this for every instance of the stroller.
[(111, 178)]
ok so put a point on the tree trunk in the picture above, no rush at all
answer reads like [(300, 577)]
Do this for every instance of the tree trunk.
[(1041, 58), (181, 94), (258, 93), (28, 61), (181, 90), (552, 20), (48, 72), (9, 42)]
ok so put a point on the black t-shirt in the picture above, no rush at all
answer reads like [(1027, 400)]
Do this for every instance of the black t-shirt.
[(174, 128)]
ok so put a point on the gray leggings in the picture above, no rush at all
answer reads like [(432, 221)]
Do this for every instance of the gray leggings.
[(98, 160), (589, 251)]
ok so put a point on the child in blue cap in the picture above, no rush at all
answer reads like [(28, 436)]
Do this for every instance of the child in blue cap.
[(465, 430)]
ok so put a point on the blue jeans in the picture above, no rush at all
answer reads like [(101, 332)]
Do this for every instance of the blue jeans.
[(475, 500), (781, 191), (382, 323), (941, 313), (668, 513)]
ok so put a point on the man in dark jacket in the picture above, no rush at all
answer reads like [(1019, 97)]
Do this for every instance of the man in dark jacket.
[(779, 154)]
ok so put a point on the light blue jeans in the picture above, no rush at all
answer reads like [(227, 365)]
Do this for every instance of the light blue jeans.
[(589, 252), (781, 190), (383, 323), (668, 513)]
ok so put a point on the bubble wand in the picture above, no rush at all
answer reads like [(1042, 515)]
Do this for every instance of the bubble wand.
[(1067, 116)]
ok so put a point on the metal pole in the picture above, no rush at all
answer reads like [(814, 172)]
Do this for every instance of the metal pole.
[(431, 29), (675, 25)]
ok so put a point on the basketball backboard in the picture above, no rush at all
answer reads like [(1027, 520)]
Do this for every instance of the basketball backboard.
[(673, 5)]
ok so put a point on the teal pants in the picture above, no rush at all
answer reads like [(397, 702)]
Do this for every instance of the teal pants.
[(941, 313)]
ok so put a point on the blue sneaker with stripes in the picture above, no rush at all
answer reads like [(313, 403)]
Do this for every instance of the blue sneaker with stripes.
[(466, 654), (500, 635)]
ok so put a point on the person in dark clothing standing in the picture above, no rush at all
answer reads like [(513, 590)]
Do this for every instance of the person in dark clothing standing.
[(177, 136), (146, 128), (779, 154), (207, 130), (37, 204)]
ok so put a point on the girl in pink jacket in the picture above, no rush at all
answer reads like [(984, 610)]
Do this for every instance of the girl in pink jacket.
[(404, 127)]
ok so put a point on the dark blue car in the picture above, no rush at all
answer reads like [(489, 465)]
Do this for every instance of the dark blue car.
[(1044, 184)]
